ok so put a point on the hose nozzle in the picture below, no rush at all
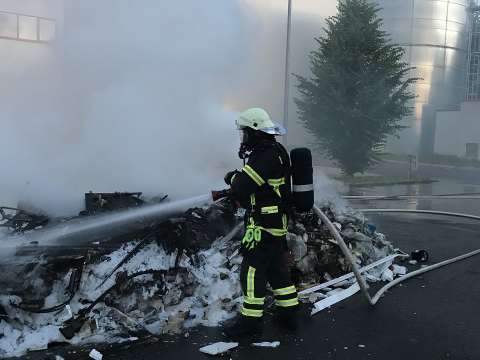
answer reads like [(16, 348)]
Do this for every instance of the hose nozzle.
[(220, 194)]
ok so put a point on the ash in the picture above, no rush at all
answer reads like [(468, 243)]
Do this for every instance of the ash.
[(167, 278)]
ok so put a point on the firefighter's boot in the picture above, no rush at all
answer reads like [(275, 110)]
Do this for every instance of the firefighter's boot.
[(245, 326), (288, 317)]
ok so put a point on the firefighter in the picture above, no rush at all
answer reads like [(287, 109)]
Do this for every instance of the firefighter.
[(263, 188)]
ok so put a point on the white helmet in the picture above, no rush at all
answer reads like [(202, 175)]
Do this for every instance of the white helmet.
[(258, 119)]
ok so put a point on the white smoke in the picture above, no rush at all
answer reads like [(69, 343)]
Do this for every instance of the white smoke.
[(131, 99), (327, 191)]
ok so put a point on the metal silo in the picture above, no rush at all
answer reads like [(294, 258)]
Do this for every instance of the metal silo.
[(434, 34)]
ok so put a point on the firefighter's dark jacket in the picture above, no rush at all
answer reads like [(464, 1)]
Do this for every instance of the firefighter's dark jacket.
[(263, 188)]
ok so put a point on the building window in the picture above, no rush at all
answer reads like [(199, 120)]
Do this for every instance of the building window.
[(46, 30), (8, 25), (26, 27)]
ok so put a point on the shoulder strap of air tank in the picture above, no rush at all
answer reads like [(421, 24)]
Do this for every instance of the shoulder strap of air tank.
[(287, 202), (284, 158)]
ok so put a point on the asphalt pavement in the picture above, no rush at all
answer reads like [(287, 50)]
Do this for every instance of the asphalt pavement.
[(469, 175), (435, 316), (458, 174)]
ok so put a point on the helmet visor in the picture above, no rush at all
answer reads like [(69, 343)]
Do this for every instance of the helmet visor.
[(276, 130), (245, 135), (242, 135)]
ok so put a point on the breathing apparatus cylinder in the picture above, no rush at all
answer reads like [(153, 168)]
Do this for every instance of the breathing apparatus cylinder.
[(302, 179)]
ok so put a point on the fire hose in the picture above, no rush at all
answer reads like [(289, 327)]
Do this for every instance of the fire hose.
[(453, 196), (361, 281)]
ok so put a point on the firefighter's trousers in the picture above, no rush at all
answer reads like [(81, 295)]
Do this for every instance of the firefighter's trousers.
[(266, 263)]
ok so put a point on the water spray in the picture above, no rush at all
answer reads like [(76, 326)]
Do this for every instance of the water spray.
[(90, 229)]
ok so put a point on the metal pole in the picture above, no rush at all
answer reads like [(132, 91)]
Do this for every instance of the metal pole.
[(287, 73)]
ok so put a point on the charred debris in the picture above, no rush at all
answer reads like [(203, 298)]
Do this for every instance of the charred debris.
[(183, 235), (166, 277)]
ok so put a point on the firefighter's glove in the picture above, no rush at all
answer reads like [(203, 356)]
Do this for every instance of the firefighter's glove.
[(229, 177), (220, 194), (252, 237)]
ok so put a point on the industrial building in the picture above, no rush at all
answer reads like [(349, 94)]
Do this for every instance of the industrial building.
[(434, 34), (440, 38), (457, 130), (30, 21), (28, 31), (26, 26)]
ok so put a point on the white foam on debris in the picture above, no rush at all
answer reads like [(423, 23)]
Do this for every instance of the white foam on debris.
[(15, 342), (218, 348), (210, 304)]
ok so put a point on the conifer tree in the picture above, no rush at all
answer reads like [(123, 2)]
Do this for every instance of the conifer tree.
[(359, 90)]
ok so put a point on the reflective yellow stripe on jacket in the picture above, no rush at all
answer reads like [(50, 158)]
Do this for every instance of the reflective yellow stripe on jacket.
[(275, 184), (269, 210), (253, 175)]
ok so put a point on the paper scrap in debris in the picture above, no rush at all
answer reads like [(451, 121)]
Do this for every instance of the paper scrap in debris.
[(272, 344), (66, 314), (339, 296), (387, 275), (399, 270), (314, 297), (371, 278), (96, 355), (349, 275), (58, 357), (334, 291), (218, 348)]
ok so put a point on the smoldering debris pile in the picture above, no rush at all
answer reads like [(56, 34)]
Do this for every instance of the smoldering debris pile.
[(167, 278), (18, 220), (318, 257)]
